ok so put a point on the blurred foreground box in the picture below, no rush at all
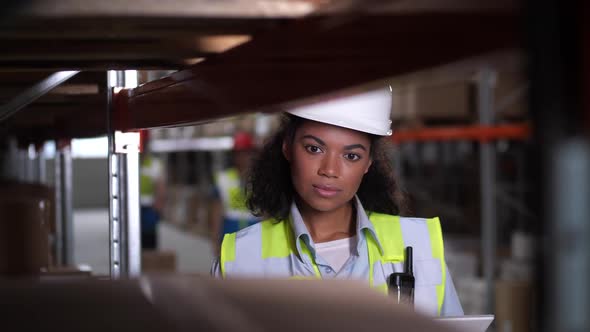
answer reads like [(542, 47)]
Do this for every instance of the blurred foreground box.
[(182, 303)]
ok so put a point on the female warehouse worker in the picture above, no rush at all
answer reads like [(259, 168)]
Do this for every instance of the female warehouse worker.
[(327, 189)]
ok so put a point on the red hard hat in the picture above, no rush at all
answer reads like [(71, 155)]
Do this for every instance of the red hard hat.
[(243, 141)]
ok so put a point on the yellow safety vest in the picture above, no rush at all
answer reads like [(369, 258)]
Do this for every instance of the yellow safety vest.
[(277, 241)]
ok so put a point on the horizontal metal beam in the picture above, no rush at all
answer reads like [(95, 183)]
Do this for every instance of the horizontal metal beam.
[(312, 57), (249, 8), (171, 8), (93, 65), (34, 93), (481, 133), (222, 143), (85, 49), (137, 28)]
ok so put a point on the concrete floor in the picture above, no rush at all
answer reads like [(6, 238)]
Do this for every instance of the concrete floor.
[(91, 239)]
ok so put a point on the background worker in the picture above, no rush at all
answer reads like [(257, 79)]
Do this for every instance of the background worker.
[(152, 186), (229, 212), (327, 186)]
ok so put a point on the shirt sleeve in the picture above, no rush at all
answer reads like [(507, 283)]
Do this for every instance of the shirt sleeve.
[(451, 304), (216, 269)]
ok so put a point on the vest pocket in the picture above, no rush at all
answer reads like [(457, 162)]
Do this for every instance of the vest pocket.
[(427, 272), (428, 276)]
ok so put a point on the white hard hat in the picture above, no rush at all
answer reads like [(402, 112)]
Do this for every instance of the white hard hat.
[(367, 112)]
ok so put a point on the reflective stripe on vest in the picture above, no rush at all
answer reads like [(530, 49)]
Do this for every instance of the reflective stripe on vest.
[(275, 248), (394, 246), (147, 183)]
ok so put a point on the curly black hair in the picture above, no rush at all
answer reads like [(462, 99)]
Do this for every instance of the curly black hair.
[(269, 189)]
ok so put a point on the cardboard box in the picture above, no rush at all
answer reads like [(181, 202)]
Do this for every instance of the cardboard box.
[(158, 261), (65, 273), (513, 306), (449, 101), (26, 217), (457, 100)]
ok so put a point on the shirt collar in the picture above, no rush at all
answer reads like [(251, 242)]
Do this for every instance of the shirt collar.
[(301, 234)]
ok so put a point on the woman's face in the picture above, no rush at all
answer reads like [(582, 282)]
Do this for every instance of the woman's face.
[(327, 164)]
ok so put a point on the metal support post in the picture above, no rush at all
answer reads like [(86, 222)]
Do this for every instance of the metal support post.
[(31, 164), (5, 166), (20, 165), (569, 230), (64, 239), (125, 223), (41, 167), (485, 107), (13, 166), (130, 165), (114, 217), (124, 216), (57, 243)]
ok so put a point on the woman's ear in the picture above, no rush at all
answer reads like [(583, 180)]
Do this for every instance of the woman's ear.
[(286, 150)]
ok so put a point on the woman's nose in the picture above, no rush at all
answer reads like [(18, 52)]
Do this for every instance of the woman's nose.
[(329, 166)]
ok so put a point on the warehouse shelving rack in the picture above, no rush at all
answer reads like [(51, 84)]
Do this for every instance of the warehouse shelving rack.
[(286, 60)]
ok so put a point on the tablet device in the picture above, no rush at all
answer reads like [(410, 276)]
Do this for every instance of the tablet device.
[(471, 323)]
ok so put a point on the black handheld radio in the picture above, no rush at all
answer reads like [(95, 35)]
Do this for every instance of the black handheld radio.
[(401, 284)]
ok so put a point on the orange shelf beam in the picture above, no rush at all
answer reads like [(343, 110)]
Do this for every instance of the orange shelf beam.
[(465, 133)]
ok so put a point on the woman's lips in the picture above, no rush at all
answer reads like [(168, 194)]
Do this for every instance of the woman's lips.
[(326, 191)]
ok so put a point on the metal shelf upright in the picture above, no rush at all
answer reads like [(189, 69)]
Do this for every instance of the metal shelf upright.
[(124, 212)]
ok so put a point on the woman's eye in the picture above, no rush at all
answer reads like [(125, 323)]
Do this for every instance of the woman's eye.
[(352, 156), (313, 149)]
